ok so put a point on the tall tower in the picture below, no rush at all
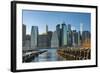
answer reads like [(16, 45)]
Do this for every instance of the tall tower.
[(34, 37), (23, 34), (81, 28), (64, 35), (79, 43), (69, 37), (46, 28), (69, 27), (81, 32), (54, 40), (58, 33)]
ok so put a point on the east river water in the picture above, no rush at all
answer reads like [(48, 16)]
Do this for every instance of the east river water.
[(49, 55)]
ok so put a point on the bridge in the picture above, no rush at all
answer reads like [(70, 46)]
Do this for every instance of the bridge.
[(28, 56)]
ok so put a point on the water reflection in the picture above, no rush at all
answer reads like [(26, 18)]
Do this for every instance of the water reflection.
[(50, 55)]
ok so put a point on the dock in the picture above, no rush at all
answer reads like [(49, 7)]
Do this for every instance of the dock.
[(28, 56), (75, 54)]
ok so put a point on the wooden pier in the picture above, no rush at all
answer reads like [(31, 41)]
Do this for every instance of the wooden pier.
[(75, 54)]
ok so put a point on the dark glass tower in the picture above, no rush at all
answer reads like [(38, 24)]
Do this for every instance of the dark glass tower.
[(23, 34), (59, 33)]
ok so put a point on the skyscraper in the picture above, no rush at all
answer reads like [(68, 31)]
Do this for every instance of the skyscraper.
[(75, 38), (23, 34), (34, 37), (27, 43), (46, 28), (81, 28), (86, 39), (79, 41), (49, 38), (69, 35), (69, 27), (54, 40), (81, 32), (64, 34), (43, 41), (59, 33), (85, 36)]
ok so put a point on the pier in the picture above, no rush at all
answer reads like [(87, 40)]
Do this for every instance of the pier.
[(28, 56), (75, 54)]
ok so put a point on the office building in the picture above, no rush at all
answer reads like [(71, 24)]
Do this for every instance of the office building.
[(64, 35), (86, 36), (81, 28), (79, 39), (58, 29), (23, 34), (43, 41), (34, 37), (27, 42), (69, 27), (75, 38), (54, 40), (46, 29), (49, 38), (69, 35)]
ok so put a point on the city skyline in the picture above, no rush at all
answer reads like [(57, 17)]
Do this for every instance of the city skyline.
[(50, 32), (43, 18)]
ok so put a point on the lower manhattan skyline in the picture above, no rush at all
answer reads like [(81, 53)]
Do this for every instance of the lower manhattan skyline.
[(55, 36), (51, 19)]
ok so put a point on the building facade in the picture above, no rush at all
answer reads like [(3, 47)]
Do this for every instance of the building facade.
[(34, 37), (75, 38), (27, 42), (58, 29), (69, 35), (64, 35), (23, 34), (43, 41), (49, 38), (54, 40)]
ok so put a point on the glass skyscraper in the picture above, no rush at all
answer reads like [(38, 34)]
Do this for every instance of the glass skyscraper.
[(64, 34), (34, 37), (69, 27), (69, 34), (54, 40), (79, 39), (46, 29), (23, 34), (85, 36), (27, 43), (75, 38), (58, 33)]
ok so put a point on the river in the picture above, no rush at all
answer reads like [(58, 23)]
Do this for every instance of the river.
[(50, 55)]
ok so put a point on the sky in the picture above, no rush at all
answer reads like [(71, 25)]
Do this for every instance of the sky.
[(51, 18)]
